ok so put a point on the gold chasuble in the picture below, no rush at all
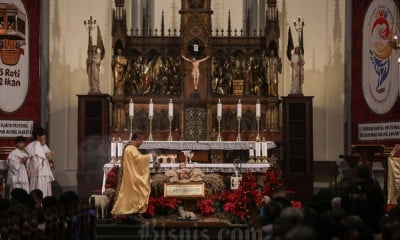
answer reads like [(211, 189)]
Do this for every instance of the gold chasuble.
[(134, 186)]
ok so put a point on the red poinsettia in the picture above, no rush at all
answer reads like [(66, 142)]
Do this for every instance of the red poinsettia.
[(206, 207), (161, 206), (273, 180), (239, 203), (296, 204), (112, 178)]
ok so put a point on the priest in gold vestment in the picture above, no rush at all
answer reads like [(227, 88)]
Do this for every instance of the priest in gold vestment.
[(134, 186)]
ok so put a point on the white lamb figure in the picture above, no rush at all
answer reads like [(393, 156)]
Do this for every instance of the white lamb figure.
[(101, 203), (186, 215)]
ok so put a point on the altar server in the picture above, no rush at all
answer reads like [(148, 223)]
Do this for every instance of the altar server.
[(17, 176), (40, 164)]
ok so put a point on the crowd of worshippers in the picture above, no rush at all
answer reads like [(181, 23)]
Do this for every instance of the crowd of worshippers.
[(355, 212), (31, 216)]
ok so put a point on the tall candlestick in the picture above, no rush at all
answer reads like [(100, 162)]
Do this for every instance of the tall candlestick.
[(131, 107), (170, 108), (151, 108), (219, 108), (239, 109), (258, 109)]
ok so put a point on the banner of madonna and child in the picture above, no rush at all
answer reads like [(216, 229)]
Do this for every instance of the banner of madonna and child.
[(380, 74), (14, 55)]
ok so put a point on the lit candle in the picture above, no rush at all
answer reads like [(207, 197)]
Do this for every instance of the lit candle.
[(258, 109), (264, 149), (131, 108), (151, 108), (219, 108), (258, 149), (170, 108), (239, 109)]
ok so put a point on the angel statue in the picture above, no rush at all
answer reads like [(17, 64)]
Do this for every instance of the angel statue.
[(95, 55)]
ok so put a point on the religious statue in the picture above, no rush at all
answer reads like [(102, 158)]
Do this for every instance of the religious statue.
[(118, 65), (185, 175), (273, 66), (195, 69), (95, 55), (297, 64)]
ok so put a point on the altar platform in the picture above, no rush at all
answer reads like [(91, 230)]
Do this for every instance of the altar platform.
[(207, 228)]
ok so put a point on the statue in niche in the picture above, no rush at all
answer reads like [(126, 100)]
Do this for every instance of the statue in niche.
[(274, 67), (261, 84), (118, 65), (249, 85), (173, 76), (216, 85)]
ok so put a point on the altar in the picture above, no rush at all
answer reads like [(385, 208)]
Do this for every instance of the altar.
[(205, 167)]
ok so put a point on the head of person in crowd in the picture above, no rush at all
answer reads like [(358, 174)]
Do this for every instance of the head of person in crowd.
[(37, 195), (39, 134), (20, 142)]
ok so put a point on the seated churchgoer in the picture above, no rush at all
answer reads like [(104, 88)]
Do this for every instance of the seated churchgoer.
[(17, 175)]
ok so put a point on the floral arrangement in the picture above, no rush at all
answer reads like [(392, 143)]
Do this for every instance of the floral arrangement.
[(240, 205), (112, 178), (161, 206), (236, 205), (273, 180)]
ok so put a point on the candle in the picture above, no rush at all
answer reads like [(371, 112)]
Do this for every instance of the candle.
[(258, 149), (251, 152), (219, 108), (264, 149), (258, 109), (239, 109), (120, 146), (131, 108), (170, 108), (151, 108), (113, 148)]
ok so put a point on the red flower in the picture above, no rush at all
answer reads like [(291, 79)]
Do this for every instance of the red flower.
[(112, 178), (296, 204), (206, 207)]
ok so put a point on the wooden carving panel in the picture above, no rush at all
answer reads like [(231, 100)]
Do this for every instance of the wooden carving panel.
[(195, 123)]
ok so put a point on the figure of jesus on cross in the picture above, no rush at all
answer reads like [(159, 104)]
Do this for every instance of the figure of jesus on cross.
[(195, 69)]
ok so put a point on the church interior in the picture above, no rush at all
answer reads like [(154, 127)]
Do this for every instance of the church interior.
[(268, 93)]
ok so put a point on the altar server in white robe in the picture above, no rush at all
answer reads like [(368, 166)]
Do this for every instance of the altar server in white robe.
[(40, 164), (17, 175)]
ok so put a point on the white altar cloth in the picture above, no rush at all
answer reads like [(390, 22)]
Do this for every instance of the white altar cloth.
[(205, 168), (202, 145)]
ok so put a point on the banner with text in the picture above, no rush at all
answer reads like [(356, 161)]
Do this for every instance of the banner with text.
[(378, 131), (14, 57), (14, 128)]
